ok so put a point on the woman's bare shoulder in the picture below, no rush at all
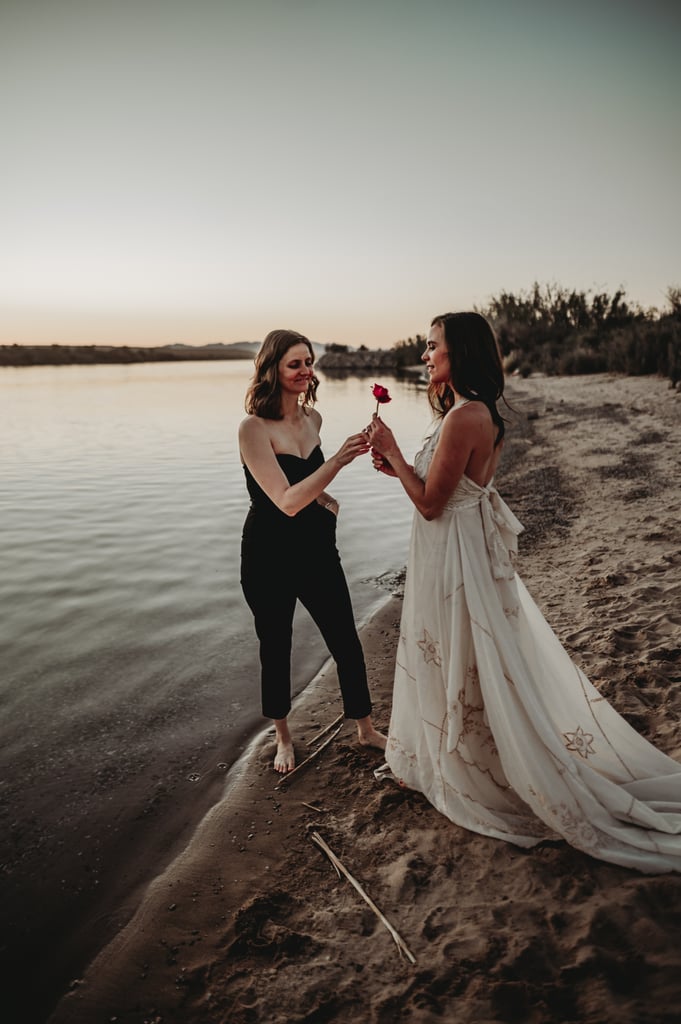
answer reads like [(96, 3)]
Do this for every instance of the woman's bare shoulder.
[(469, 424), (472, 413), (252, 422), (253, 428), (462, 416)]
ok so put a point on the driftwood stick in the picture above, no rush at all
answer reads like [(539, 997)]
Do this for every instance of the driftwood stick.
[(326, 729), (308, 759), (340, 867), (317, 810)]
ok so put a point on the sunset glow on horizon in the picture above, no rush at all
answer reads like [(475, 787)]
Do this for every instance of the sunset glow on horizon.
[(204, 172)]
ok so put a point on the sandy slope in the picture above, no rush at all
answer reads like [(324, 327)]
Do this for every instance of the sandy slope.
[(252, 924)]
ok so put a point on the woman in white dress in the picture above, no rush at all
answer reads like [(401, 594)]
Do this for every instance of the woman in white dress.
[(491, 719)]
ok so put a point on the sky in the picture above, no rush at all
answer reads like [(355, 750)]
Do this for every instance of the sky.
[(203, 171)]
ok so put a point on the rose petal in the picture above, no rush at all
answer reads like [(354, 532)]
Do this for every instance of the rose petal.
[(380, 393)]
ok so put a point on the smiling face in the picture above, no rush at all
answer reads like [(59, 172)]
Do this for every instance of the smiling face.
[(295, 369), (436, 356)]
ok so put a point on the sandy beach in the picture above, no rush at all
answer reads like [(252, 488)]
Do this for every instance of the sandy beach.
[(251, 922)]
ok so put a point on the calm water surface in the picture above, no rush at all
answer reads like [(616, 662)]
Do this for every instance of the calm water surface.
[(129, 662), (121, 509)]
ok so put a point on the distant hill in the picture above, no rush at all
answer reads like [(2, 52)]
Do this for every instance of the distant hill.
[(242, 346), (252, 347), (66, 355)]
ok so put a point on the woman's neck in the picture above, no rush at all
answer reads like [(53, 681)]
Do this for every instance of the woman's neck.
[(291, 409)]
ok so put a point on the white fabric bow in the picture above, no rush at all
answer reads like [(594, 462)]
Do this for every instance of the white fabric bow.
[(501, 529)]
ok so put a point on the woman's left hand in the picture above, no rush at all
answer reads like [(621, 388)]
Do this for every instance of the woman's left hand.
[(329, 503), (381, 464)]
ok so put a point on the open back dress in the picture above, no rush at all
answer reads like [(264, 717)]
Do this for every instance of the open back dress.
[(492, 720)]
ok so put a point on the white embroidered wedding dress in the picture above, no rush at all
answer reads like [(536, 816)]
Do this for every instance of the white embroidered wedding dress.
[(491, 719)]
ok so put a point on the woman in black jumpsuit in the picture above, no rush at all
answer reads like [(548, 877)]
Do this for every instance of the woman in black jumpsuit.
[(288, 550)]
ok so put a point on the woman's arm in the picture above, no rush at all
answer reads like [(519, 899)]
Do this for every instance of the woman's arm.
[(257, 453), (452, 453)]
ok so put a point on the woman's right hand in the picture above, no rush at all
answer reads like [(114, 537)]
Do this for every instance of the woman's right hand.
[(352, 447)]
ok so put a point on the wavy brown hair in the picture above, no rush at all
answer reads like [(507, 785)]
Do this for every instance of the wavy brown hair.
[(475, 365), (263, 397)]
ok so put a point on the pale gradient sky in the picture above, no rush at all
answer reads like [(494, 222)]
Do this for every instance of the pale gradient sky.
[(204, 171)]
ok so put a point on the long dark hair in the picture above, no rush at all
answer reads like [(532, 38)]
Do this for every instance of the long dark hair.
[(263, 397), (475, 365)]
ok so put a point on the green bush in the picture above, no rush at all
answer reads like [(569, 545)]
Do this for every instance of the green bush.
[(552, 330)]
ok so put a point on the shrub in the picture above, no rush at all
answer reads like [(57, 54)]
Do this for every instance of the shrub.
[(553, 330)]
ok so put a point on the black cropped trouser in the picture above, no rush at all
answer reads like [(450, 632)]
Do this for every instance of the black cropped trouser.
[(321, 587)]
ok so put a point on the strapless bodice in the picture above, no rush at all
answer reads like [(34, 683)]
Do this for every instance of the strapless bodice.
[(296, 469)]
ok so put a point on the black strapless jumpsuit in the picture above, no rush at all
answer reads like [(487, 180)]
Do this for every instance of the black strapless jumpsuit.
[(285, 559)]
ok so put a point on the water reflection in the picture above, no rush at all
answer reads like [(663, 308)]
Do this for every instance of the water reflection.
[(122, 507)]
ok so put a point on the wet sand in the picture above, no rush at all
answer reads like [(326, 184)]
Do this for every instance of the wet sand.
[(251, 923)]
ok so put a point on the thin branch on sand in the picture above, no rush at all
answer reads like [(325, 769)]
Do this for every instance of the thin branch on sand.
[(327, 728), (307, 760), (340, 868), (317, 810)]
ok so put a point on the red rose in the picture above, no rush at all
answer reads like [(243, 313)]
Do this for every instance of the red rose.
[(381, 395)]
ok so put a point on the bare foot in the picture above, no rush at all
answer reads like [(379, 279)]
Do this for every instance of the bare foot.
[(284, 759), (369, 736)]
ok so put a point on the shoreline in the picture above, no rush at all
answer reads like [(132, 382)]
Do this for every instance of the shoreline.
[(250, 783), (249, 921), (92, 919)]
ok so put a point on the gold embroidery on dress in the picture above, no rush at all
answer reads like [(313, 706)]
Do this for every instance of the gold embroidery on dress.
[(580, 742), (475, 744), (430, 648), (474, 622), (398, 664), (573, 827)]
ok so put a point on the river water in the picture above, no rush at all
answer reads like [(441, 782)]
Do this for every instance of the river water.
[(129, 675)]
